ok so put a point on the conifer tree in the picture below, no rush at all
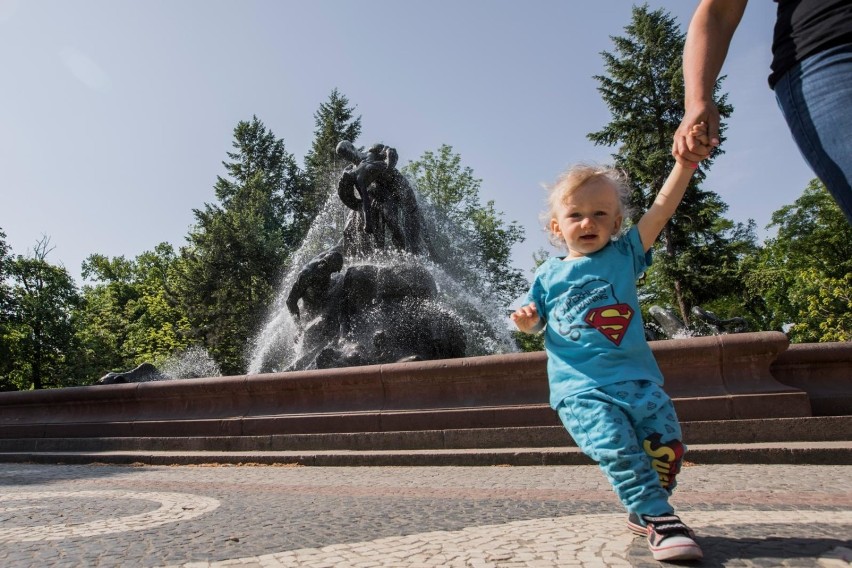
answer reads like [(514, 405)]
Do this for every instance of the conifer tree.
[(335, 121), (240, 246), (700, 250)]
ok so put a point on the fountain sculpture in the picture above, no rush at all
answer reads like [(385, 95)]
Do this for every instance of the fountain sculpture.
[(191, 363), (703, 323), (365, 287)]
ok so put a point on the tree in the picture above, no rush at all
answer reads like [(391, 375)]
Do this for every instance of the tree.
[(158, 327), (103, 315), (5, 261), (643, 89), (335, 121), (528, 342), (240, 246), (473, 242), (803, 276), (130, 313), (6, 311), (44, 297)]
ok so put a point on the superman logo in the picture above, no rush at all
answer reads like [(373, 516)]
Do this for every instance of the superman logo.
[(665, 458), (612, 321)]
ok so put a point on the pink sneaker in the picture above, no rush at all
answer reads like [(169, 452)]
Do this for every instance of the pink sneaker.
[(669, 538)]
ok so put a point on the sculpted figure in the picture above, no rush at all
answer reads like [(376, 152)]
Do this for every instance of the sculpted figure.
[(373, 311), (314, 282), (373, 187), (717, 325), (671, 324), (144, 372)]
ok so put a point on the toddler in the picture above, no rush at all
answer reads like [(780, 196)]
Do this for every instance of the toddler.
[(605, 384)]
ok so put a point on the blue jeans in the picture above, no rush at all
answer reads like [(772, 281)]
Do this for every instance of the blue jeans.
[(632, 431), (816, 98)]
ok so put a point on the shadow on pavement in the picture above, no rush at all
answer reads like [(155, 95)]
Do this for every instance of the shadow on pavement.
[(769, 551)]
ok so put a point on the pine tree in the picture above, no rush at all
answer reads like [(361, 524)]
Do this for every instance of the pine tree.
[(240, 246), (643, 89), (335, 122)]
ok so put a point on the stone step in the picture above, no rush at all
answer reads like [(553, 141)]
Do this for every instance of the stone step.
[(809, 429), (790, 453)]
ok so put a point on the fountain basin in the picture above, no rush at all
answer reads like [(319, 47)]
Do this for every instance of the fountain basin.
[(724, 377)]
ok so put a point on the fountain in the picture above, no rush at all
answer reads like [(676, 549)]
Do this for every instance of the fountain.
[(191, 363), (367, 287), (704, 323), (374, 282)]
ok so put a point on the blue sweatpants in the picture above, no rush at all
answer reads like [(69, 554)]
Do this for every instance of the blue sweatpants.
[(631, 430)]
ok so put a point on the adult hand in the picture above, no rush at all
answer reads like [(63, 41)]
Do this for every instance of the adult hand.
[(688, 147)]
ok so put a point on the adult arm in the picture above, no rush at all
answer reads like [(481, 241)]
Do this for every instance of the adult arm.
[(710, 31)]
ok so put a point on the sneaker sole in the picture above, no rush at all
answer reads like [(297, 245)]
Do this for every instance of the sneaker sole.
[(637, 529), (678, 552)]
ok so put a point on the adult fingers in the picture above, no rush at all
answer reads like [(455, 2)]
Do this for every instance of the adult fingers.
[(681, 150)]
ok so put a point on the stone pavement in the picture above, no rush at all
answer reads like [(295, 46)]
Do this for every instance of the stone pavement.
[(99, 515)]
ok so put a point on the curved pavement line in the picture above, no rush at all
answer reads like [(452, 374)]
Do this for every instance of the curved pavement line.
[(538, 542), (173, 507)]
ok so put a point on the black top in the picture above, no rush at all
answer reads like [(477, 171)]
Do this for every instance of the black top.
[(806, 27)]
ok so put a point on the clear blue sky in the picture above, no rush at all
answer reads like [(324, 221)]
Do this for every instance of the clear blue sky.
[(117, 114)]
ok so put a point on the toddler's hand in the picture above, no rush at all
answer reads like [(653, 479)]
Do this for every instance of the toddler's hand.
[(699, 132), (526, 318), (702, 146)]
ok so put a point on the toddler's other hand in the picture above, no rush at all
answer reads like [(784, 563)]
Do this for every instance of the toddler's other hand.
[(526, 318)]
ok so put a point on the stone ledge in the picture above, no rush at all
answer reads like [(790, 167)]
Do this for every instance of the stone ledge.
[(823, 370), (823, 453), (811, 429), (710, 378)]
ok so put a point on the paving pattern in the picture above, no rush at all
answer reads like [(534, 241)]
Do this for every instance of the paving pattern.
[(194, 516)]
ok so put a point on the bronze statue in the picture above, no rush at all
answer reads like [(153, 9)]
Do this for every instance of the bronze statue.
[(314, 282), (383, 199), (350, 310)]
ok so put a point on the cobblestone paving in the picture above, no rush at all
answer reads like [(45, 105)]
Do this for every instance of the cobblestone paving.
[(504, 517)]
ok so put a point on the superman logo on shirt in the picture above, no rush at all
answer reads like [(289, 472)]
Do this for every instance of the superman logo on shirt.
[(612, 321)]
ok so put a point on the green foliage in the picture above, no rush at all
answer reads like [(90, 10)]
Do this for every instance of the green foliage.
[(529, 342), (275, 183), (159, 327), (802, 278), (6, 310), (40, 333), (130, 313), (103, 316), (471, 240), (700, 252), (335, 121), (5, 262), (239, 247)]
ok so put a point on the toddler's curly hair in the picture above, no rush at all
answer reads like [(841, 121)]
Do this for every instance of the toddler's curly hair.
[(576, 177)]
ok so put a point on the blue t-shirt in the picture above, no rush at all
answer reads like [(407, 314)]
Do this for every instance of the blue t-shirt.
[(594, 335)]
